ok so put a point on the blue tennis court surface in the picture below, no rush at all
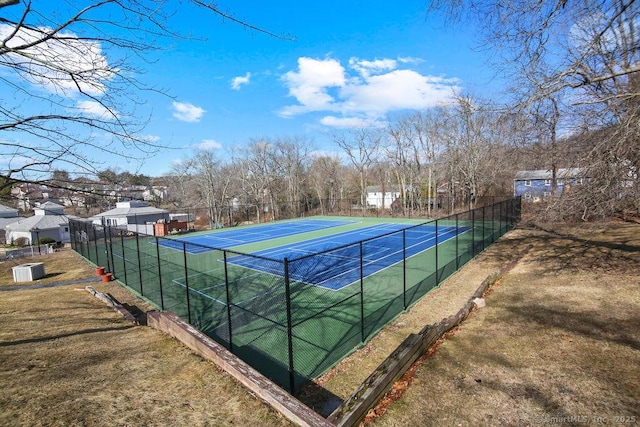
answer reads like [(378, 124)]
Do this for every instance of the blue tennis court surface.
[(339, 268), (243, 236)]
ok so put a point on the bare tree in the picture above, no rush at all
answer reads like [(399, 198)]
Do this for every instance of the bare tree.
[(324, 176), (361, 145), (585, 55), (211, 185), (292, 162), (474, 147), (256, 163), (417, 143), (72, 81)]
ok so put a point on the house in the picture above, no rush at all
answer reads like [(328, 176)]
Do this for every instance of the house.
[(535, 185), (7, 216), (134, 215), (380, 197), (48, 220)]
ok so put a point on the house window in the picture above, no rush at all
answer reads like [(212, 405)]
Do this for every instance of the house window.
[(527, 182), (547, 182), (546, 194), (560, 181), (527, 195), (579, 181), (66, 229)]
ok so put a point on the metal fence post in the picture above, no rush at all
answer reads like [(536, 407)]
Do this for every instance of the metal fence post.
[(124, 260), (186, 279), (139, 262), (457, 242), (437, 278), (287, 286), (109, 252), (159, 273), (362, 336), (404, 269), (226, 287), (484, 226), (473, 233), (95, 243), (493, 221)]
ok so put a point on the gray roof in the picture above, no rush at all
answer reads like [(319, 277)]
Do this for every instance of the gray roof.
[(41, 222), (7, 212), (547, 174), (50, 205), (6, 221)]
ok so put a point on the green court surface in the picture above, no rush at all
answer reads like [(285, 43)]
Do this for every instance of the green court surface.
[(290, 330)]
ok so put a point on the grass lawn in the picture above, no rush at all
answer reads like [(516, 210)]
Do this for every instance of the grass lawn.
[(68, 359), (558, 342)]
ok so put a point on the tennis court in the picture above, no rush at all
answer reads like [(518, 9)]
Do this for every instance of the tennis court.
[(341, 267), (204, 242), (292, 298)]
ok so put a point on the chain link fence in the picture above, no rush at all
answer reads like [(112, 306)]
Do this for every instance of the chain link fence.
[(290, 318)]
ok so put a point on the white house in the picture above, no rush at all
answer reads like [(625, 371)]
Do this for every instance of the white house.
[(48, 220), (7, 216), (382, 198), (134, 215)]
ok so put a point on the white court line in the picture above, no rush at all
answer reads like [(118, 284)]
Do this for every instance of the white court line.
[(382, 269), (201, 292)]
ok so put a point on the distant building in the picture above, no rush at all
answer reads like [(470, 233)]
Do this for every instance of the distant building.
[(536, 185), (7, 216), (382, 197), (48, 220), (134, 215)]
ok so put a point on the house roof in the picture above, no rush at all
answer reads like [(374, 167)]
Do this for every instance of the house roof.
[(131, 211), (6, 221), (387, 189), (48, 208), (7, 212), (50, 205), (41, 222), (547, 174)]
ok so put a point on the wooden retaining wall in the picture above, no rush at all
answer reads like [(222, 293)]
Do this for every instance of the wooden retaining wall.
[(368, 394), (253, 380)]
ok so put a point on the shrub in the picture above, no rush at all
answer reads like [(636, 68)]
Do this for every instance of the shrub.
[(20, 241), (45, 241)]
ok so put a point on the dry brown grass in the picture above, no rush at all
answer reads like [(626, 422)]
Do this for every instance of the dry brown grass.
[(558, 342), (66, 359), (60, 266)]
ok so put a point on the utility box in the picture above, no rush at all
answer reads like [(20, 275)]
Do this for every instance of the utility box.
[(28, 272)]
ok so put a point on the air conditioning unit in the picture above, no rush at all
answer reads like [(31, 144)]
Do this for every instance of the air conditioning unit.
[(28, 272)]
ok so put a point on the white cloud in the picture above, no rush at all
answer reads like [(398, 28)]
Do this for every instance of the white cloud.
[(397, 90), (346, 122), (208, 144), (310, 84), (96, 109), (49, 62), (366, 68), (237, 82), (187, 112), (151, 138), (364, 96)]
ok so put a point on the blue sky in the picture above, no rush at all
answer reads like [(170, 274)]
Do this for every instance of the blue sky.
[(352, 63)]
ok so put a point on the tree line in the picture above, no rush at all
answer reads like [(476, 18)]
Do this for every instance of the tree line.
[(571, 98)]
